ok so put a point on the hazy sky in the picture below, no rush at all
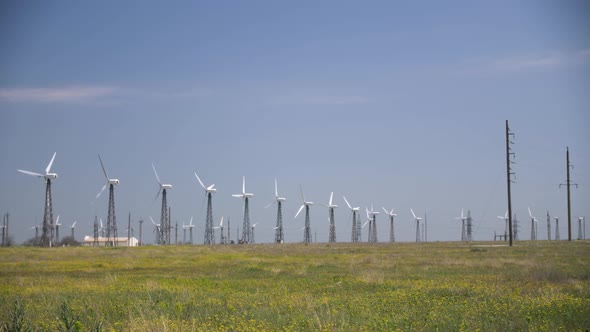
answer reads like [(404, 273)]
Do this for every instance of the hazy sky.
[(399, 104)]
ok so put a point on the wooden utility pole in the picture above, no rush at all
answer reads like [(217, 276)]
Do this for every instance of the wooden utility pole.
[(509, 174), (568, 184)]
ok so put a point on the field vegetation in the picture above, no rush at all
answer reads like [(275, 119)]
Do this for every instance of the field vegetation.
[(536, 286)]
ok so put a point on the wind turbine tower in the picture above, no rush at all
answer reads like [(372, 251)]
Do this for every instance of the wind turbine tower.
[(548, 226), (463, 226), (372, 215), (533, 226), (164, 225), (307, 227), (469, 226), (279, 235), (417, 219), (356, 222), (391, 225), (246, 226), (47, 237), (331, 207), (111, 217), (209, 191)]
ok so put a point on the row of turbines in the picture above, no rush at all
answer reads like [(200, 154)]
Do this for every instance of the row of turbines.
[(50, 229)]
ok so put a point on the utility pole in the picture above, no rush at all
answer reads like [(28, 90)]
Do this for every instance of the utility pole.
[(568, 184), (509, 173)]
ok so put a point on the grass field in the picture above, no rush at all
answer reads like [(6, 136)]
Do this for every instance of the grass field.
[(537, 286)]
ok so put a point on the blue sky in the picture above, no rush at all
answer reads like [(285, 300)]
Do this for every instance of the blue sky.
[(397, 104)]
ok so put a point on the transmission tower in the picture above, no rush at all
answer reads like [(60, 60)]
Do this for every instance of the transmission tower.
[(509, 173), (209, 233), (568, 184), (279, 236)]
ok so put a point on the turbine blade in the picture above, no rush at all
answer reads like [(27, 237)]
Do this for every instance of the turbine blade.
[(349, 206), (298, 212), (100, 192), (31, 173), (157, 177), (103, 169), (199, 179), (48, 169)]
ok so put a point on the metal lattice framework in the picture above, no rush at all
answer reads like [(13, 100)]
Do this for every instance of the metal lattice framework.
[(307, 229), (279, 235), (209, 232)]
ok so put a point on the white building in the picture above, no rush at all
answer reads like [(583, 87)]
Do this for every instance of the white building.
[(102, 241)]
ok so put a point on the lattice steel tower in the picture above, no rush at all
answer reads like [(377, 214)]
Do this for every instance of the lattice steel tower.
[(469, 225), (246, 226), (164, 228), (48, 235), (391, 224)]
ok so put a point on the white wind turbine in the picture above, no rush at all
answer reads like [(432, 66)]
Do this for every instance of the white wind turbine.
[(246, 226), (356, 222), (47, 235), (111, 217), (279, 235), (307, 228), (209, 191), (372, 216), (164, 217), (534, 222), (417, 219), (505, 218), (391, 225), (73, 228), (463, 226), (157, 231), (331, 207)]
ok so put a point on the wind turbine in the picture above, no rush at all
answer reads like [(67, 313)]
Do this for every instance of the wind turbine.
[(307, 227), (505, 218), (164, 218), (372, 215), (48, 236), (534, 222), (391, 226), (463, 229), (73, 228), (279, 235), (252, 233), (356, 222), (331, 207), (157, 231), (417, 225), (209, 235), (57, 224), (246, 226), (111, 216)]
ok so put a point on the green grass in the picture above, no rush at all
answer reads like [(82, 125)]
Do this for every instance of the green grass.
[(423, 287)]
